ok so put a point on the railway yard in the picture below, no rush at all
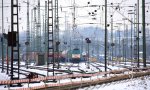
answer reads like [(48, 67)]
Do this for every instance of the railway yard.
[(74, 45), (72, 76)]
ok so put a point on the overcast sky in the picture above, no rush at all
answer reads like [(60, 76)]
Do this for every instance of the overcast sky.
[(82, 14)]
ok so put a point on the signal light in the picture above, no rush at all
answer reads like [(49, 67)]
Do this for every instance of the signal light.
[(12, 39)]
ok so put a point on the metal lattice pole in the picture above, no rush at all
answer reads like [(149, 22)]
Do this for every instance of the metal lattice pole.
[(56, 32), (38, 31), (135, 35), (50, 53), (14, 39)]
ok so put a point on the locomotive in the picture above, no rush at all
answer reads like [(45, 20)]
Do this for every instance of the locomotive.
[(76, 55)]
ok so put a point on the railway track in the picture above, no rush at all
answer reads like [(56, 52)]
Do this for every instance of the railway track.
[(116, 76), (99, 65), (22, 71), (131, 73)]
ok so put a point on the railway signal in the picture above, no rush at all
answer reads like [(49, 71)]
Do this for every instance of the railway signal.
[(88, 41)]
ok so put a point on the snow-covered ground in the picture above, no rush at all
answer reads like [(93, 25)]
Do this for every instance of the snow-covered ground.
[(142, 83), (3, 76), (138, 83)]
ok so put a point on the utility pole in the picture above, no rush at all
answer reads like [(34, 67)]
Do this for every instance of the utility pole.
[(27, 43), (138, 32), (135, 35), (88, 56), (65, 39), (119, 44), (131, 40), (124, 41), (116, 53), (43, 35), (56, 33), (144, 37), (46, 31), (74, 24), (123, 54), (105, 35), (98, 42), (88, 41), (35, 29), (2, 39), (38, 32), (112, 43), (8, 52), (126, 53), (14, 40), (50, 34), (32, 31)]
